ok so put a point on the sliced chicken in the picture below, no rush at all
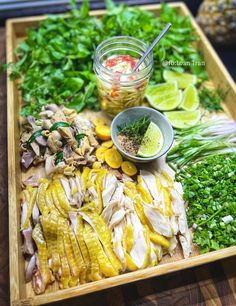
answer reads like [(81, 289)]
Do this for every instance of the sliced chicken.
[(66, 186), (28, 246), (139, 250), (179, 211), (173, 244), (117, 217), (109, 186), (159, 222), (185, 241), (31, 181), (150, 183), (35, 214), (30, 268), (118, 194), (117, 242), (108, 211)]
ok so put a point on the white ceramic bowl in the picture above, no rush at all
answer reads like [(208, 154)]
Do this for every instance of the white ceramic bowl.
[(134, 113)]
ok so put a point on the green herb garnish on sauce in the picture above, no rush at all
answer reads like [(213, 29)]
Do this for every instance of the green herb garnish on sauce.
[(135, 129)]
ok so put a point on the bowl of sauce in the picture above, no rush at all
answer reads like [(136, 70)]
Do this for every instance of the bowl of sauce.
[(141, 134)]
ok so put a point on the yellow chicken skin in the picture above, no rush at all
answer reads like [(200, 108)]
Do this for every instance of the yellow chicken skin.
[(53, 219), (65, 269), (82, 245), (32, 199), (98, 223), (46, 276), (78, 256), (95, 247), (95, 273), (104, 234)]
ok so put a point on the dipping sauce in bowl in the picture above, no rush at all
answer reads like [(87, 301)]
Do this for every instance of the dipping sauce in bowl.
[(141, 134), (141, 137)]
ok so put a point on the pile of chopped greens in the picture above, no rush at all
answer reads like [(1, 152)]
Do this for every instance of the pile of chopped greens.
[(211, 99), (209, 189), (55, 61)]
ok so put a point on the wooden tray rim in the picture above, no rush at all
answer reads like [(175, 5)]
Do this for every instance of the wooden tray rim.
[(13, 233)]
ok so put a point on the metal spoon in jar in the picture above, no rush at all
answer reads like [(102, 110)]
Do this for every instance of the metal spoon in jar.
[(150, 48)]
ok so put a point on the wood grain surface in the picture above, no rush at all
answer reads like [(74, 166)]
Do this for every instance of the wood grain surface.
[(212, 284), (4, 278)]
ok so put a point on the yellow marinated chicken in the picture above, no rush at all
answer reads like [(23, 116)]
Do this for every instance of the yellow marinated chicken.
[(45, 274), (119, 224)]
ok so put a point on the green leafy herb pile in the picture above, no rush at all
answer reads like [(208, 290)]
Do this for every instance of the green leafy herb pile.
[(135, 129), (176, 46), (55, 61), (211, 99), (209, 189)]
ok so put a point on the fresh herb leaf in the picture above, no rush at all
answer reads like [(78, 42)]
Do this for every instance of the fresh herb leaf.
[(59, 157), (135, 129), (34, 136), (58, 125), (80, 136)]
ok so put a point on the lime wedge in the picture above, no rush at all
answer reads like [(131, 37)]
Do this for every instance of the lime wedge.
[(183, 119), (152, 141), (190, 100), (183, 79), (167, 101), (161, 89)]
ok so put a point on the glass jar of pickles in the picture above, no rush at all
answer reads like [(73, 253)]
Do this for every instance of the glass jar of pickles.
[(119, 86)]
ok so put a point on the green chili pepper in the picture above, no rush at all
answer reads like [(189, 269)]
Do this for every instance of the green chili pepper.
[(58, 125), (59, 157), (34, 136), (78, 137)]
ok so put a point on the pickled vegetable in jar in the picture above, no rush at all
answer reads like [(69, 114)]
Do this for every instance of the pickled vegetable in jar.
[(119, 86)]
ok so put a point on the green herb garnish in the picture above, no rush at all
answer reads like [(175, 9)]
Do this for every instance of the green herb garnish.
[(34, 136), (135, 129), (209, 189), (58, 125), (59, 157), (78, 137), (211, 99)]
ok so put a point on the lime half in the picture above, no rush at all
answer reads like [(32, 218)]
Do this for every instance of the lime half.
[(152, 141), (183, 79), (168, 101), (183, 119), (190, 98)]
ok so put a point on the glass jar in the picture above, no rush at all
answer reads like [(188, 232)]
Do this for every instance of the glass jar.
[(118, 91)]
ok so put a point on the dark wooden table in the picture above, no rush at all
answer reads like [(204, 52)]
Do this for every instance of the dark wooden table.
[(212, 284)]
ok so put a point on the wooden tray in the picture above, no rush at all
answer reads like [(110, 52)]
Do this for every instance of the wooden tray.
[(22, 293)]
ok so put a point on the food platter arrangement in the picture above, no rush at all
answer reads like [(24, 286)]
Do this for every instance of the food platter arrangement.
[(116, 174)]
